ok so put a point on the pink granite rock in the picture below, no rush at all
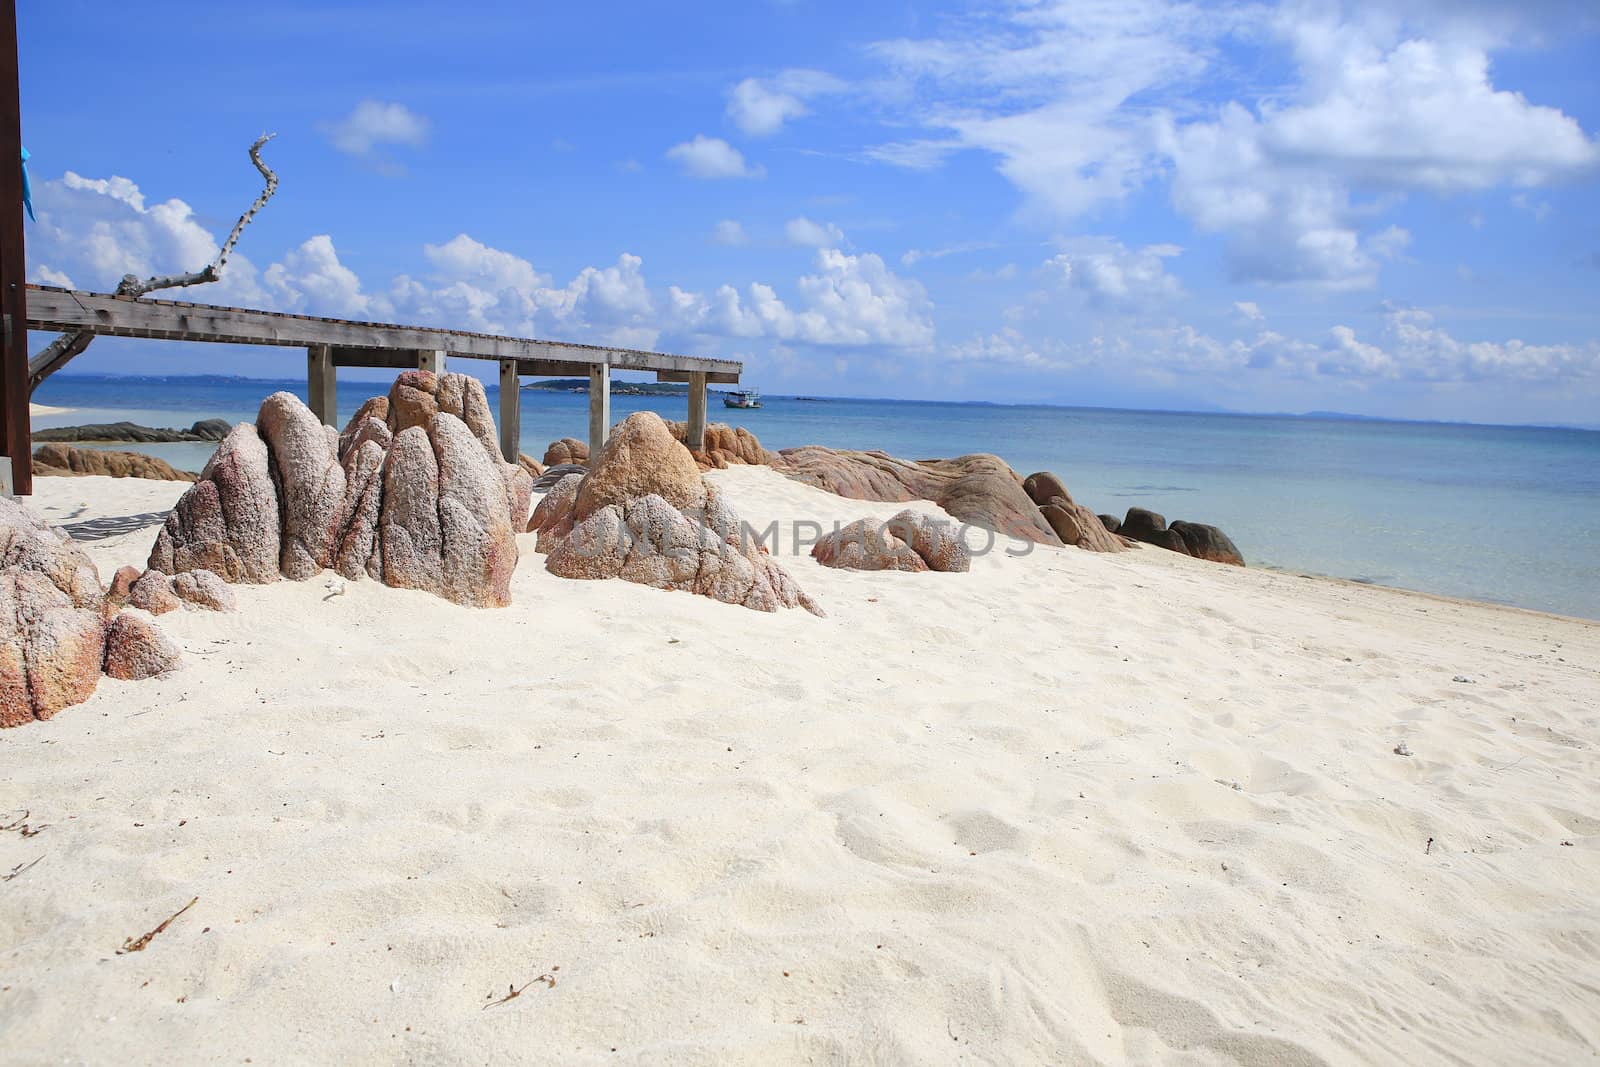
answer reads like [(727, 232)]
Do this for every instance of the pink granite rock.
[(309, 481), (227, 522), (153, 593), (136, 649), (202, 589)]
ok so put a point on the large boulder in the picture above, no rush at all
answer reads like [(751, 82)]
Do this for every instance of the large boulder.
[(910, 541), (364, 446), (227, 522), (1071, 521), (57, 459), (373, 409), (1208, 543), (1141, 524), (726, 446), (568, 450), (643, 513), (641, 457), (979, 489), (445, 521), (309, 481), (202, 589)]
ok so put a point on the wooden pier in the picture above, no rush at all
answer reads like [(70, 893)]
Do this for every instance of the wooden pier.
[(334, 343)]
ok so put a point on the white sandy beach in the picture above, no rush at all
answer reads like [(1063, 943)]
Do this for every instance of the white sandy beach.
[(36, 410), (1067, 808)]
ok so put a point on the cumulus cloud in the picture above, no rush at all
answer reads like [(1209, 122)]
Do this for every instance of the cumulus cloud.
[(712, 157), (95, 230), (1113, 276), (311, 280), (374, 124), (802, 231), (848, 300), (760, 106)]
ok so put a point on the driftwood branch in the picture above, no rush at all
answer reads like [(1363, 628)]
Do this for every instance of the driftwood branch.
[(132, 286), (64, 348)]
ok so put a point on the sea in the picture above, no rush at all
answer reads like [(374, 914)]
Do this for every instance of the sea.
[(1504, 514)]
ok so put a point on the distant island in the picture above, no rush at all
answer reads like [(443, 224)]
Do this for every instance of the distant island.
[(581, 385)]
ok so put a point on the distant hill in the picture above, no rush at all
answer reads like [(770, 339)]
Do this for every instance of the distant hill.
[(581, 385)]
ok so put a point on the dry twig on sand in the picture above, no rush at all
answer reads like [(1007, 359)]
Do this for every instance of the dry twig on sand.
[(132, 945), (548, 979)]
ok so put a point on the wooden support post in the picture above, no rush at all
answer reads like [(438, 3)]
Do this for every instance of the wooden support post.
[(322, 384), (510, 410), (16, 434), (430, 359), (695, 434), (599, 408)]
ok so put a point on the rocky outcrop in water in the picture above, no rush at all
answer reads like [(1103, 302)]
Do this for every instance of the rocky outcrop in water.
[(59, 460), (133, 433), (910, 541), (58, 628), (412, 492), (644, 514)]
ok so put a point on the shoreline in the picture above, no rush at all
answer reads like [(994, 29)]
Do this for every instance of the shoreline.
[(36, 410)]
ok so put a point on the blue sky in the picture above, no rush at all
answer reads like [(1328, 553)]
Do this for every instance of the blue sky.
[(1262, 207)]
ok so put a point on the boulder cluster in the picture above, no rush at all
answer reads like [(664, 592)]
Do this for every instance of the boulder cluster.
[(643, 513), (413, 493), (1072, 522), (59, 629), (910, 541), (1188, 538)]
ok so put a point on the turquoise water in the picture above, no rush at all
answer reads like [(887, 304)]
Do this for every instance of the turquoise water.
[(1504, 514)]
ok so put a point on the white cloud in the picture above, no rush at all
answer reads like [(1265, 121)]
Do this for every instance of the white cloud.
[(374, 123), (1114, 276), (760, 107), (711, 157), (802, 231), (95, 230), (465, 259), (1082, 104), (1249, 309), (729, 232), (849, 300), (311, 280)]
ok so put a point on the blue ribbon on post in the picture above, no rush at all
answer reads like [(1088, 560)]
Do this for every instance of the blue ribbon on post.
[(27, 188)]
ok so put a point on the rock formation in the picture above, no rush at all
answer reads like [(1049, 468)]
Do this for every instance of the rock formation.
[(132, 432), (727, 446), (1187, 538), (1072, 522), (566, 450), (59, 460), (412, 492), (643, 513), (978, 489), (58, 628), (910, 541)]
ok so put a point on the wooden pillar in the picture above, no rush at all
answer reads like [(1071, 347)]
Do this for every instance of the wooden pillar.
[(599, 408), (430, 359), (695, 435), (16, 435), (322, 384), (510, 410)]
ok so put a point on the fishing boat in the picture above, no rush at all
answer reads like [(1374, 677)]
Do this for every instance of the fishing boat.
[(742, 398)]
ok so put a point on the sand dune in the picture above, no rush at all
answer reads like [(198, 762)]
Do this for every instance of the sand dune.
[(1067, 808)]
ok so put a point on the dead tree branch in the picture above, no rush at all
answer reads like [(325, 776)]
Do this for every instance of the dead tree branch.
[(64, 348)]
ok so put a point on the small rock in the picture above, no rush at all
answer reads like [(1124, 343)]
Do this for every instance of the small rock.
[(1464, 680), (1402, 749), (202, 589), (137, 649), (153, 593)]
